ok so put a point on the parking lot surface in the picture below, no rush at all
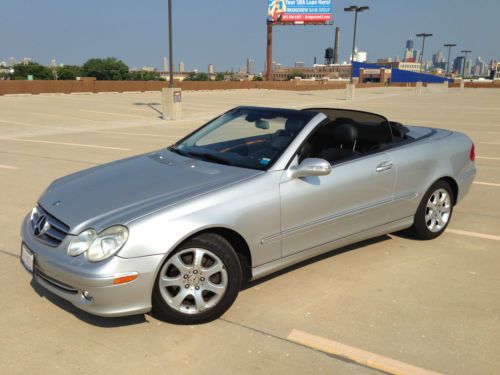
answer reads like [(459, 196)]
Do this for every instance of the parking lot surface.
[(434, 305)]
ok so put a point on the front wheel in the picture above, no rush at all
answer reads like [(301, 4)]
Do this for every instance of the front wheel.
[(434, 212), (198, 282)]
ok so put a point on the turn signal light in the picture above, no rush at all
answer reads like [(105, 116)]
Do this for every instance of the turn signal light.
[(125, 279), (472, 153)]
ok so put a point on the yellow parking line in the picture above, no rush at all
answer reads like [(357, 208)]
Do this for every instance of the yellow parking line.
[(360, 356), (474, 234), (65, 144), (7, 167), (487, 158), (486, 183)]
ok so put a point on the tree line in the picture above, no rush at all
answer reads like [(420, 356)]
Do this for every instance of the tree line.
[(108, 69)]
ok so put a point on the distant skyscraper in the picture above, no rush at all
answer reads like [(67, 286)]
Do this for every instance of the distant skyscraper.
[(438, 60), (458, 64), (182, 68), (211, 69), (299, 64), (250, 66), (409, 43), (479, 68), (165, 64)]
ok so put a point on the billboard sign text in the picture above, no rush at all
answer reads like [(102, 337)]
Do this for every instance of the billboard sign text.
[(299, 11)]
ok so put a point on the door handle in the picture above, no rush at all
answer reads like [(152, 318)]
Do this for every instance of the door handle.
[(384, 166)]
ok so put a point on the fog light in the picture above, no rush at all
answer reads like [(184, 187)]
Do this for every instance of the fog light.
[(87, 295)]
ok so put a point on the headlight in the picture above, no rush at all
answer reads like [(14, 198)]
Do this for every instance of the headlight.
[(81, 244), (99, 246)]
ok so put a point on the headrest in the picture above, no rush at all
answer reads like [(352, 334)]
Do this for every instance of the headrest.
[(293, 125), (345, 133)]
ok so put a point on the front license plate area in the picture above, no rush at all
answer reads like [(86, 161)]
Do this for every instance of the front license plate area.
[(27, 258)]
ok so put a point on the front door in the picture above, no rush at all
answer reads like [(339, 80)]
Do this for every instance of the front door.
[(354, 197)]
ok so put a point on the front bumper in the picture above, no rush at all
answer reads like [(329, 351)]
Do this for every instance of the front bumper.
[(90, 286)]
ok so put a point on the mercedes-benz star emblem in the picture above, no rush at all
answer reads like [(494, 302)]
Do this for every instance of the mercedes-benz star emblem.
[(40, 226)]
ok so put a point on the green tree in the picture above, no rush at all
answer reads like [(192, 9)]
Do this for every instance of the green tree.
[(294, 74), (109, 69), (38, 71), (144, 76), (257, 78), (69, 72), (197, 77), (219, 76)]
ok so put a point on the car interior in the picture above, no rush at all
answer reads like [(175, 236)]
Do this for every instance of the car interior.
[(348, 134)]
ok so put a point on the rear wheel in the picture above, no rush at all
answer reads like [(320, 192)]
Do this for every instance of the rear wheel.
[(434, 212), (198, 282)]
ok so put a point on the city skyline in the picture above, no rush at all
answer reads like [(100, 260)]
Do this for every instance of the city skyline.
[(61, 36)]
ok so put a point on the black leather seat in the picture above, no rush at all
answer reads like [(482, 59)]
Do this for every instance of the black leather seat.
[(344, 137)]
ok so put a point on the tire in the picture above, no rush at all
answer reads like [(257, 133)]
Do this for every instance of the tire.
[(198, 282), (434, 212)]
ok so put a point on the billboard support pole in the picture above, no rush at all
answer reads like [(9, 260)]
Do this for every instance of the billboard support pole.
[(269, 60), (170, 45)]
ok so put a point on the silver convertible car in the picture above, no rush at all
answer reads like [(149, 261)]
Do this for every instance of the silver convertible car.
[(177, 231)]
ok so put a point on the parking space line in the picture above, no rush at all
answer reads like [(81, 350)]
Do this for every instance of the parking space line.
[(487, 158), (490, 143), (65, 144), (113, 113), (474, 234), (360, 356), (7, 167), (134, 134), (486, 183), (29, 124)]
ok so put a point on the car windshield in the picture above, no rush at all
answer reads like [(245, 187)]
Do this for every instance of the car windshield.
[(245, 137)]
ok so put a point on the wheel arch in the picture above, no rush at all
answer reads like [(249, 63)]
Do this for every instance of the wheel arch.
[(453, 184), (238, 243)]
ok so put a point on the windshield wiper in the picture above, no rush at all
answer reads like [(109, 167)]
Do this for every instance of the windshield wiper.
[(210, 157), (203, 155)]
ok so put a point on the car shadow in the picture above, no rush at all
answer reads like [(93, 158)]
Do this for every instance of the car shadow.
[(115, 322), (315, 259), (94, 320)]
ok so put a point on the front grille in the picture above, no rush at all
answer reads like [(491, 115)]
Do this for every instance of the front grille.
[(46, 228)]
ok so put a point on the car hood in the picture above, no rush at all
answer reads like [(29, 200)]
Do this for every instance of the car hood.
[(121, 191)]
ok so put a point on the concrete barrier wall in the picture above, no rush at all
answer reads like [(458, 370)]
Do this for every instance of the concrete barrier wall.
[(93, 86)]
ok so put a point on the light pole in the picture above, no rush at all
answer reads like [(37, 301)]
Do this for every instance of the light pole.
[(465, 52), (449, 52), (423, 36), (356, 10), (170, 44)]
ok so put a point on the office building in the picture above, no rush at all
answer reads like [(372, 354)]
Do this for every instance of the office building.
[(182, 68), (250, 66), (211, 69)]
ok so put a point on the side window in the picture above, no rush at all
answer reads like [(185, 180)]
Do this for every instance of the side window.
[(344, 138)]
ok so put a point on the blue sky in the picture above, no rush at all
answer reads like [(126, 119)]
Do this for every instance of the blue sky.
[(226, 32)]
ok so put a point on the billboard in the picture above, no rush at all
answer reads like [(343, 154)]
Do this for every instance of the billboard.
[(299, 11)]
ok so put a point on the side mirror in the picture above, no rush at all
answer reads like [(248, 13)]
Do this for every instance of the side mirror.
[(311, 167)]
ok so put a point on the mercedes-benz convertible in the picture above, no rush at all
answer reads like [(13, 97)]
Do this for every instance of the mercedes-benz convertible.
[(178, 230)]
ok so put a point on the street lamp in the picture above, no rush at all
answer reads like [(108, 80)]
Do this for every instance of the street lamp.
[(423, 36), (170, 44), (449, 52), (356, 10), (465, 52)]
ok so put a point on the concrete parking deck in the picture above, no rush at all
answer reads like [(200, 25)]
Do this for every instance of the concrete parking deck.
[(432, 305)]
